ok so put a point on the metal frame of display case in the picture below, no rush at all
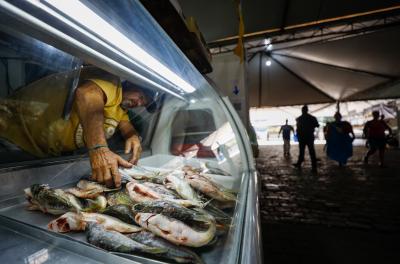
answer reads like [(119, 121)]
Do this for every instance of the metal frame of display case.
[(18, 14)]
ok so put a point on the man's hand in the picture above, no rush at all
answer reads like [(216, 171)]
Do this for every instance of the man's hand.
[(133, 144), (105, 164)]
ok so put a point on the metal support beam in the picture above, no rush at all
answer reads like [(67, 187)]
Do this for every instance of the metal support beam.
[(386, 76), (284, 15), (378, 86), (301, 78)]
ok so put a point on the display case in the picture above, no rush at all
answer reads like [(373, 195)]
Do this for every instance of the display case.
[(51, 48)]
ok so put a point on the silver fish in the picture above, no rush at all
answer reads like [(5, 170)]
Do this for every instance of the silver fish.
[(78, 221), (176, 253), (140, 173), (116, 242), (182, 187), (141, 192), (206, 186), (89, 189), (177, 224)]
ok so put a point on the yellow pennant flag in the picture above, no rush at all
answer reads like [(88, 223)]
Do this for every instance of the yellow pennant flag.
[(239, 49)]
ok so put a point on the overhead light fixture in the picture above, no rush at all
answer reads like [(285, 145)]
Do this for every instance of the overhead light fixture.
[(193, 101), (269, 47), (268, 63), (80, 12), (267, 41)]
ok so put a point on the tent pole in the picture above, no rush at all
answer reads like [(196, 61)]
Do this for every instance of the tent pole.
[(398, 120), (260, 80)]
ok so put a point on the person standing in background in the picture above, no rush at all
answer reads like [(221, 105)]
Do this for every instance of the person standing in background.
[(285, 130), (306, 125), (374, 131)]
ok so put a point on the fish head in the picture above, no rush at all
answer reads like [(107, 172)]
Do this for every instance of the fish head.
[(67, 222), (35, 189)]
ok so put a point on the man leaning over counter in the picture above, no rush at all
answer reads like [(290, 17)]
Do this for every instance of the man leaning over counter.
[(31, 118)]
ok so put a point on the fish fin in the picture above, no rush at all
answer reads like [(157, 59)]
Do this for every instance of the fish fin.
[(228, 196), (154, 250), (231, 191), (32, 207)]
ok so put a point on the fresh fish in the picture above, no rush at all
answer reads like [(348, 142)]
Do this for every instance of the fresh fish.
[(116, 242), (140, 173), (143, 192), (89, 189), (206, 186), (182, 187), (208, 168), (85, 194), (67, 222), (95, 205), (119, 198), (187, 169), (177, 224), (176, 253), (53, 201), (122, 212), (78, 221), (90, 185)]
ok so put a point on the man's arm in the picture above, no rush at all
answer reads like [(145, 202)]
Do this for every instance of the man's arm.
[(132, 140), (366, 129), (90, 101), (280, 130)]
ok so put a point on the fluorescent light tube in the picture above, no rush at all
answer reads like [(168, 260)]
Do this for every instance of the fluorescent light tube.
[(84, 15)]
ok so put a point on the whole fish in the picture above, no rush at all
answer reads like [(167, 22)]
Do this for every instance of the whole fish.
[(92, 185), (140, 173), (209, 168), (119, 198), (176, 253), (142, 192), (206, 186), (89, 189), (122, 212), (116, 242), (182, 187), (177, 224), (53, 201), (78, 222)]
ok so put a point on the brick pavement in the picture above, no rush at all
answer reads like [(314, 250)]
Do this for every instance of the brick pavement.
[(342, 204)]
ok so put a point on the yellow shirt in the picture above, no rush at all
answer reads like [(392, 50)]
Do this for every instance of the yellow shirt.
[(34, 118)]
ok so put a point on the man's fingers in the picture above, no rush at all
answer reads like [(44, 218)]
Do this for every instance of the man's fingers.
[(116, 176), (108, 180), (93, 177), (123, 162), (137, 151), (128, 146), (100, 177)]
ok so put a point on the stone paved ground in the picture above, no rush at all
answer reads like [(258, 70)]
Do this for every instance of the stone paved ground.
[(339, 215)]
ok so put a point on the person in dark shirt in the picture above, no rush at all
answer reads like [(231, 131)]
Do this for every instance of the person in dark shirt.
[(306, 125), (285, 130), (374, 131)]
